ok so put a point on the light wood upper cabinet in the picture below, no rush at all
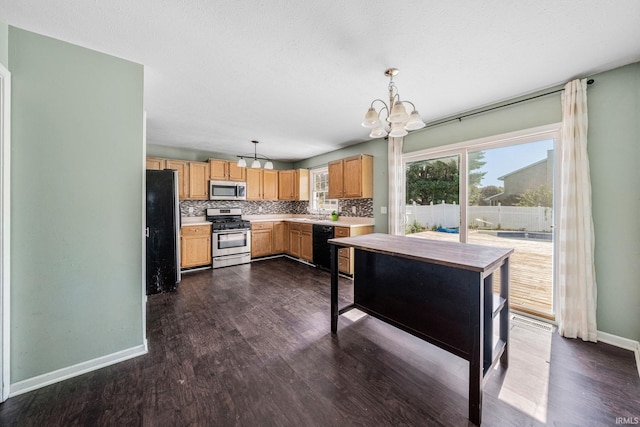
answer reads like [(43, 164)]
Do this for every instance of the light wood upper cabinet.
[(335, 179), (183, 176), (293, 184), (285, 185), (195, 245), (270, 184), (224, 170), (198, 181), (218, 169), (351, 177), (254, 184), (262, 184), (236, 173), (155, 163)]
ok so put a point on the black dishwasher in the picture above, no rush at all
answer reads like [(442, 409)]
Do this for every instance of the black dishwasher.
[(321, 250)]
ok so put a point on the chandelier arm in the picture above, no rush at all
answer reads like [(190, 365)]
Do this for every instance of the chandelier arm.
[(379, 100), (412, 105)]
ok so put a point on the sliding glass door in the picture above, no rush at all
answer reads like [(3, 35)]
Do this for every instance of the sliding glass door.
[(510, 204), (433, 196), (492, 193)]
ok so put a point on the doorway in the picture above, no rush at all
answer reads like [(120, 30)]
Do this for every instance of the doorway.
[(496, 191)]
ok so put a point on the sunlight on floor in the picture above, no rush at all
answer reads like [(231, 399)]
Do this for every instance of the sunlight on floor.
[(526, 382)]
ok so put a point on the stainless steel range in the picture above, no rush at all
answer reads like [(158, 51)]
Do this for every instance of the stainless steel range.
[(231, 237)]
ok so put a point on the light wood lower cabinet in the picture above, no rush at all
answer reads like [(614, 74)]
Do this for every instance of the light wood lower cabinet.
[(345, 255), (195, 245), (261, 239), (280, 237), (296, 239), (269, 238), (301, 241)]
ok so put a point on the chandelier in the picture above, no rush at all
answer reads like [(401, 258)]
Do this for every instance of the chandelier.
[(398, 122), (242, 163)]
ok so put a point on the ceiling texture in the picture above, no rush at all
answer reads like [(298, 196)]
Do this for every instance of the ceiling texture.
[(299, 75)]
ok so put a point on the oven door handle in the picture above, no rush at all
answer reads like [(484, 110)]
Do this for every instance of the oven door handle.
[(242, 255), (225, 237)]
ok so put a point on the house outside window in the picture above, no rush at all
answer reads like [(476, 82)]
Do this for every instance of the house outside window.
[(319, 200)]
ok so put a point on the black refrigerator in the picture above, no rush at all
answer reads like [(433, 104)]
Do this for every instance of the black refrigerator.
[(163, 231)]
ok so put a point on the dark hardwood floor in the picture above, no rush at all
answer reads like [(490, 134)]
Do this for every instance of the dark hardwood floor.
[(250, 346)]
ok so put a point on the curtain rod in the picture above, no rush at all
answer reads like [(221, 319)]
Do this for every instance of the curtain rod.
[(459, 118)]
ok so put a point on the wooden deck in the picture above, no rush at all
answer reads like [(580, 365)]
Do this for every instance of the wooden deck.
[(531, 284)]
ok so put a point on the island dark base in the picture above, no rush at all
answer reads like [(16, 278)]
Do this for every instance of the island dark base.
[(450, 307)]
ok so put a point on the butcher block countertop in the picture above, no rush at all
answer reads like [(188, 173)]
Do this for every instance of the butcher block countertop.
[(453, 254)]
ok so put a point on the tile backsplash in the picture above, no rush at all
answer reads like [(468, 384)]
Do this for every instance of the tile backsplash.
[(364, 207)]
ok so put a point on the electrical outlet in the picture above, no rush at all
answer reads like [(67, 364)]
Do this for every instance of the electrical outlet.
[(353, 210), (383, 210), (190, 210), (259, 209)]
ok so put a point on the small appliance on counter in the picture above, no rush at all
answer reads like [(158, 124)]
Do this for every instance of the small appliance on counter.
[(231, 237), (163, 231)]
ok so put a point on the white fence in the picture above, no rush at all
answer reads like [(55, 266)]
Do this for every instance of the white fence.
[(487, 217)]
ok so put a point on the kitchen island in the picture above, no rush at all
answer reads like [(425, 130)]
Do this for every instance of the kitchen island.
[(441, 292)]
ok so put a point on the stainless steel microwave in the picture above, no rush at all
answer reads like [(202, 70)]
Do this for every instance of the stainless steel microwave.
[(227, 190)]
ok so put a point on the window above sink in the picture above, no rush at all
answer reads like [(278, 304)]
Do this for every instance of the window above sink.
[(319, 201)]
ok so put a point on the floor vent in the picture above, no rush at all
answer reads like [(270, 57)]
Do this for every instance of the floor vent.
[(532, 323)]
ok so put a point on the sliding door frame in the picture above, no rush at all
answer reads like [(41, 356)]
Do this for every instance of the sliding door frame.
[(462, 149)]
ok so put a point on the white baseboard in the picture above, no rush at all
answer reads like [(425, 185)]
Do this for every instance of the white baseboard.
[(621, 342), (49, 378)]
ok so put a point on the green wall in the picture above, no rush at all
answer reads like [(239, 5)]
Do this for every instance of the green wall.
[(4, 43), (167, 152), (614, 152), (76, 204)]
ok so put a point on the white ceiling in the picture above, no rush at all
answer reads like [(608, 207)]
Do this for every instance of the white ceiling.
[(299, 75)]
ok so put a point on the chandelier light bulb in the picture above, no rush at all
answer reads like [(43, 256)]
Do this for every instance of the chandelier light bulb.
[(378, 132), (397, 130), (371, 118), (398, 113), (255, 164), (415, 122), (242, 163)]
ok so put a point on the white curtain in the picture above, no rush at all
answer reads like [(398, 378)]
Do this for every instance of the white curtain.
[(396, 187), (577, 280)]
